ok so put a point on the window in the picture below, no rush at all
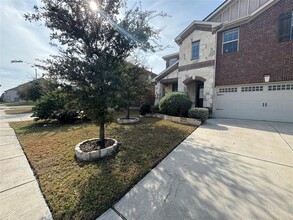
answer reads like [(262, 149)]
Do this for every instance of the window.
[(230, 41), (286, 27), (292, 26), (226, 90), (172, 61), (175, 87), (195, 50), (280, 87), (252, 89)]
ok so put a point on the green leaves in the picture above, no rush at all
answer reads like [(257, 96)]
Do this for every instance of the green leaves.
[(92, 49)]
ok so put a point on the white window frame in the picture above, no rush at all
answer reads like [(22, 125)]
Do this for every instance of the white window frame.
[(234, 29)]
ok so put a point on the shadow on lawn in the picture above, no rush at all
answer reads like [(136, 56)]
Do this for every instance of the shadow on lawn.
[(121, 172)]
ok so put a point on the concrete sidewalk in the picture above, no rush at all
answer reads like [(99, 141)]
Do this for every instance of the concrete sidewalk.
[(226, 169), (20, 195)]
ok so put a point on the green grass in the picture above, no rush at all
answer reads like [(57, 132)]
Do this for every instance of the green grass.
[(17, 103), (20, 110), (83, 190)]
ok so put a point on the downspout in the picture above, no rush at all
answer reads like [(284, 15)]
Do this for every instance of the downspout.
[(215, 68)]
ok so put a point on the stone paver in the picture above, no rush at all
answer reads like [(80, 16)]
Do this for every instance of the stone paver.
[(226, 169), (20, 195)]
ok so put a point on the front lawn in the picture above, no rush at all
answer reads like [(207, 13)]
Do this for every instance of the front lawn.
[(20, 110), (79, 190)]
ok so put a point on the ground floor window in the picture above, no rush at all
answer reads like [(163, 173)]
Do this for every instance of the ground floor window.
[(175, 87)]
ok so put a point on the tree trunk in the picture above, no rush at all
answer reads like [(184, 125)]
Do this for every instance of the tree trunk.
[(128, 113), (102, 135)]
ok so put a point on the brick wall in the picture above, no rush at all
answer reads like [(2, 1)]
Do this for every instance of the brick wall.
[(259, 51)]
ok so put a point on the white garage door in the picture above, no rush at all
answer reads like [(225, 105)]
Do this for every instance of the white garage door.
[(258, 102)]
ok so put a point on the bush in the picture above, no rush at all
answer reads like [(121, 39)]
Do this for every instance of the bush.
[(199, 113), (55, 105), (155, 109), (144, 109), (175, 103)]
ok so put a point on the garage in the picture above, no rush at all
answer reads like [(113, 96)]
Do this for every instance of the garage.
[(273, 102)]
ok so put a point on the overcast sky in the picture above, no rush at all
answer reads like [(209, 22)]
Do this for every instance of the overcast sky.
[(27, 41)]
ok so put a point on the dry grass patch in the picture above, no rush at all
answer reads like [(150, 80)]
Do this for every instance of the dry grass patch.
[(19, 110), (79, 190)]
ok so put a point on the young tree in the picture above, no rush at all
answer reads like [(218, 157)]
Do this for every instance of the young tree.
[(94, 43), (134, 85)]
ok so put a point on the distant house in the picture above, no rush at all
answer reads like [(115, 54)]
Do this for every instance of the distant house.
[(238, 61), (11, 95)]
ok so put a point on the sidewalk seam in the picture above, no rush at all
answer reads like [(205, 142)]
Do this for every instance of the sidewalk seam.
[(7, 158), (291, 147), (17, 186), (118, 213)]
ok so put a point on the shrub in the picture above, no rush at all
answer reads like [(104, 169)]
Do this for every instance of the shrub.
[(199, 113), (144, 109), (55, 105), (155, 109), (175, 103)]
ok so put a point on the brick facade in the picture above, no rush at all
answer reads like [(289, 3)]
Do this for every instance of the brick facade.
[(259, 52)]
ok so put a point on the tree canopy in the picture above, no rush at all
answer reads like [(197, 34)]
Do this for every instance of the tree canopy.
[(92, 46)]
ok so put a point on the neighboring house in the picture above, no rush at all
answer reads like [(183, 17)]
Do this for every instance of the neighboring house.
[(11, 95), (238, 61)]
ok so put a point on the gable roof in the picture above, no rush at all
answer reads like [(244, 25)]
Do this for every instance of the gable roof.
[(169, 56), (217, 10), (227, 3), (248, 18), (166, 72), (14, 88), (17, 87), (196, 25)]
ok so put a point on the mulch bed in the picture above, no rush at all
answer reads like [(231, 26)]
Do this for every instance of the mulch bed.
[(95, 145)]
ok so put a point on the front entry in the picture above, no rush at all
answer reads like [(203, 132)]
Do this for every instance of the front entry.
[(195, 90), (199, 94)]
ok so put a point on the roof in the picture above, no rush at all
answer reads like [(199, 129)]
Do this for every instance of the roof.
[(169, 56), (263, 7), (217, 9), (152, 74), (166, 72), (196, 25), (17, 87), (236, 23)]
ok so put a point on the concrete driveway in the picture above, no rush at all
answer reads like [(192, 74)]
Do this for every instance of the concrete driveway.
[(226, 169)]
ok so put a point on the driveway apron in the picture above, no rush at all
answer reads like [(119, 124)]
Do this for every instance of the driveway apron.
[(226, 169)]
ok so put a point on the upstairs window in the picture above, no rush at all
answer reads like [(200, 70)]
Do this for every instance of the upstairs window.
[(195, 50), (292, 26), (230, 41), (172, 61), (286, 27)]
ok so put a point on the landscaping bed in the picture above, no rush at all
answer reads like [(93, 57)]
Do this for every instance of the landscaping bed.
[(84, 190)]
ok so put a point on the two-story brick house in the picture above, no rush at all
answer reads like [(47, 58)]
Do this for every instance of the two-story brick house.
[(237, 61)]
